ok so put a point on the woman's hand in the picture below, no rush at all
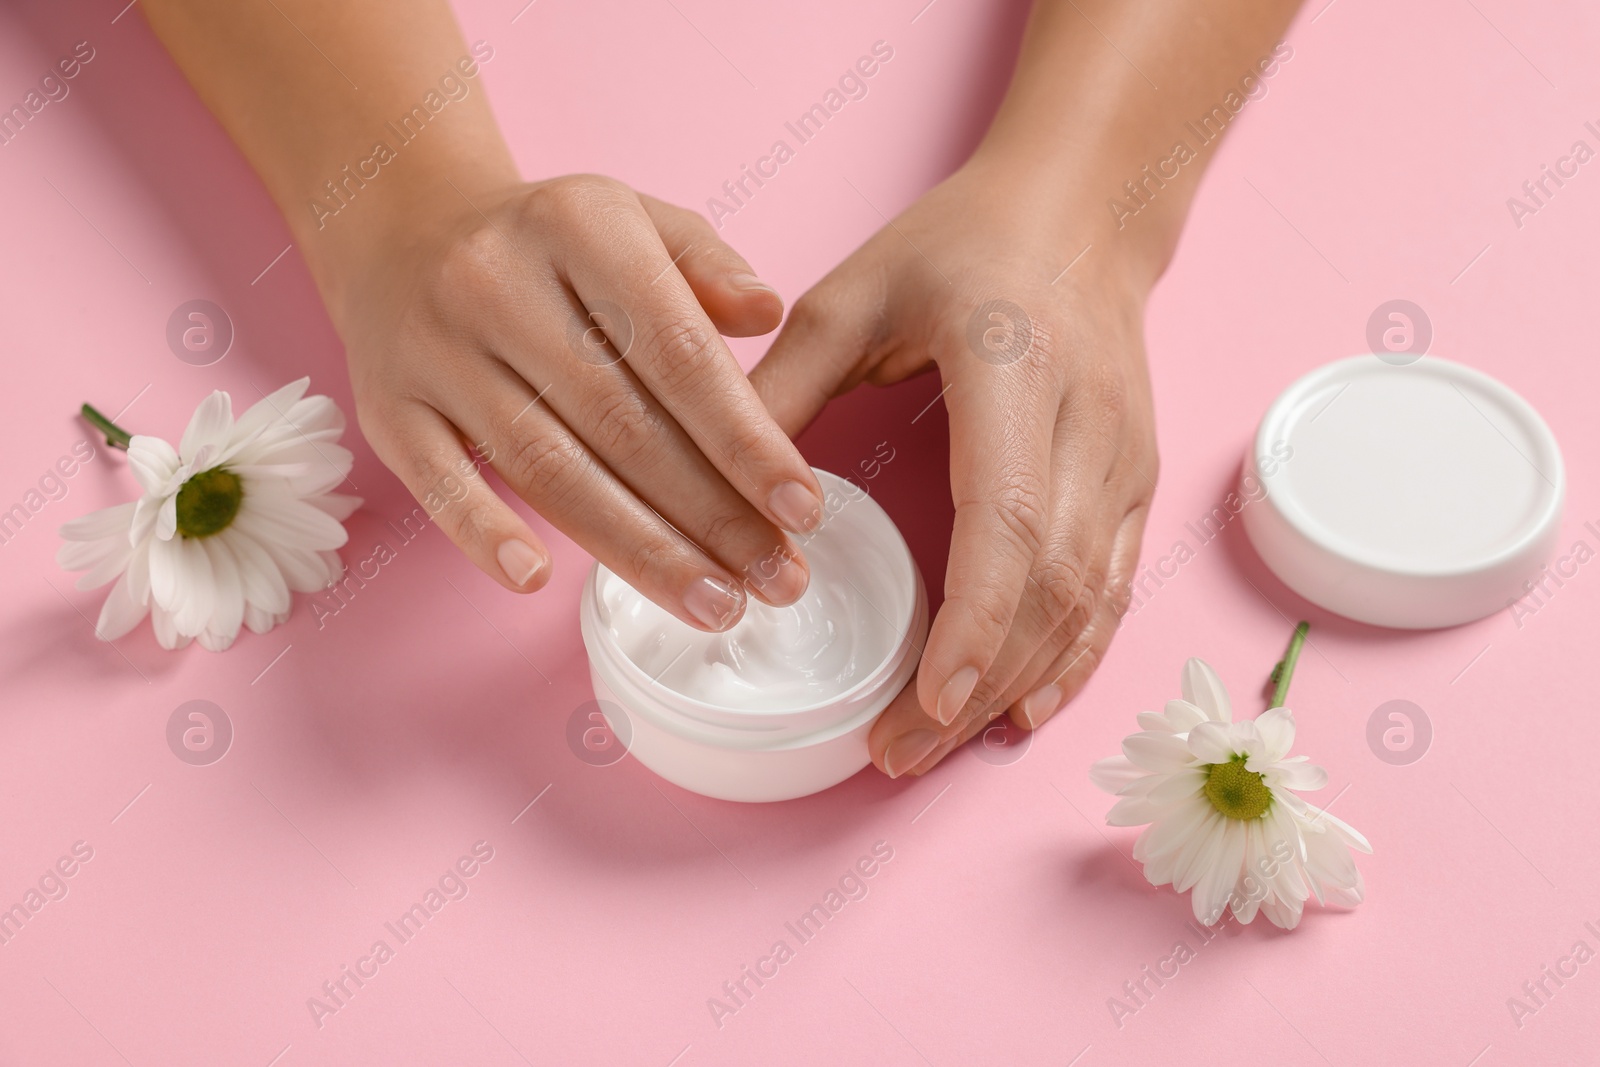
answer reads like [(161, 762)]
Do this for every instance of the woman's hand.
[(567, 333), (1052, 441)]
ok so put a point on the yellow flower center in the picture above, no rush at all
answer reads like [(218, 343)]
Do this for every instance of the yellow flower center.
[(1236, 792), (208, 502)]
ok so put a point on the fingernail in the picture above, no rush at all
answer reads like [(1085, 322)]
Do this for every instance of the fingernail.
[(780, 578), (1041, 704), (713, 602), (953, 697), (797, 508), (908, 750), (747, 282), (519, 562)]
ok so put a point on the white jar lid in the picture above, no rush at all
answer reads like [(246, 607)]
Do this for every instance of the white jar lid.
[(1413, 495)]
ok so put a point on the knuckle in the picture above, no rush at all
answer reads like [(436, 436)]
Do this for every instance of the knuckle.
[(467, 521), (745, 443), (1118, 597), (622, 428), (574, 200), (721, 529), (1081, 664), (1105, 391), (474, 263), (683, 353), (697, 226), (990, 615), (984, 703), (642, 558), (545, 469), (1061, 580), (808, 313), (1020, 508)]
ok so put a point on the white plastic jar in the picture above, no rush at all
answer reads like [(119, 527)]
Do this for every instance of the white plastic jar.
[(779, 705)]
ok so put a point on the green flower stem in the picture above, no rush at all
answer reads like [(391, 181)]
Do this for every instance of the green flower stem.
[(1284, 671), (116, 436)]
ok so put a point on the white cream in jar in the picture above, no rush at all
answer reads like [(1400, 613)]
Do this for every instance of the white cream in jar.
[(779, 705)]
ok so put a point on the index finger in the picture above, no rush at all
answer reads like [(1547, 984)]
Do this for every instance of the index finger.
[(1000, 435), (673, 348)]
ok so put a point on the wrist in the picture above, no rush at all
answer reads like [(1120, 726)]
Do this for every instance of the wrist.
[(1068, 206), (367, 222)]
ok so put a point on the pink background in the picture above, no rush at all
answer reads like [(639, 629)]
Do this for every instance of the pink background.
[(371, 753)]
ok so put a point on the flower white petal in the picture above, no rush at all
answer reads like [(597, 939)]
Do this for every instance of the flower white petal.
[(227, 608), (97, 543), (311, 420), (145, 512), (1349, 834), (303, 570), (1216, 883), (208, 429), (1332, 872), (1246, 738), (154, 463), (1172, 831), (167, 518), (317, 417), (1259, 862), (261, 621), (196, 589), (1281, 832), (1161, 753), (108, 563), (334, 565), (1176, 788), (1183, 716), (1134, 811), (1245, 907), (1157, 868), (166, 572), (1212, 742), (262, 580), (1203, 689), (1153, 722), (309, 467), (267, 411), (1276, 727), (1199, 851), (1299, 776), (139, 573), (166, 631), (120, 613), (1282, 913), (339, 505), (98, 525), (1114, 772), (275, 517)]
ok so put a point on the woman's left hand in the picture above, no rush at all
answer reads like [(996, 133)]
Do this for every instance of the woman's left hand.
[(1052, 439)]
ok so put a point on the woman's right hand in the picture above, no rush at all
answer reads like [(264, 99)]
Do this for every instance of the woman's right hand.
[(567, 333)]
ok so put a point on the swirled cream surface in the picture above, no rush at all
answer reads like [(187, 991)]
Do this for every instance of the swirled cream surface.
[(779, 659)]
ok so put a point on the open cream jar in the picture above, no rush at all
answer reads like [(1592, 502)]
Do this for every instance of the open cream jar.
[(779, 705)]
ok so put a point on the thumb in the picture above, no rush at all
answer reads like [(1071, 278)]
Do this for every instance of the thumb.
[(821, 352)]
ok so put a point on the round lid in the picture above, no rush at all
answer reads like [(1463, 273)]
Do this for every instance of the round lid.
[(1414, 495)]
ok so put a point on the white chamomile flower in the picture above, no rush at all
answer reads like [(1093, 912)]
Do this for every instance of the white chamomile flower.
[(230, 522), (1224, 820)]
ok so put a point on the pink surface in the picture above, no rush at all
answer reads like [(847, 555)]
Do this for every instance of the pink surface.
[(372, 752)]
